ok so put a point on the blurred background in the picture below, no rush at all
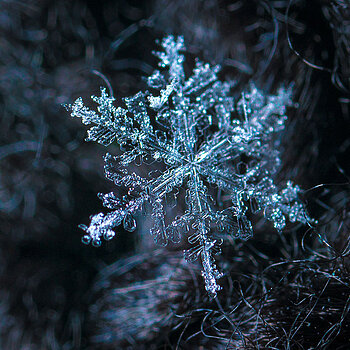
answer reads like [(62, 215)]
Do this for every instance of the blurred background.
[(280, 292)]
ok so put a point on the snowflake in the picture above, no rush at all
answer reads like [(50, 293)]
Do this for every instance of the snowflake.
[(208, 144)]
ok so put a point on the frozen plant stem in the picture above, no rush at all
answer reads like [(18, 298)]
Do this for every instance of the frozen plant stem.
[(209, 144)]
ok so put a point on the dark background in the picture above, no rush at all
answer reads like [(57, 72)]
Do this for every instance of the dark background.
[(53, 294)]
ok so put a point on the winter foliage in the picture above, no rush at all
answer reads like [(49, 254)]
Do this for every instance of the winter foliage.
[(218, 158)]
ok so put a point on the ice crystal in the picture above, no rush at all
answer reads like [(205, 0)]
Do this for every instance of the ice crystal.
[(209, 145)]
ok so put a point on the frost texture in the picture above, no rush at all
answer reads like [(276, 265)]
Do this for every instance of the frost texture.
[(210, 146)]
